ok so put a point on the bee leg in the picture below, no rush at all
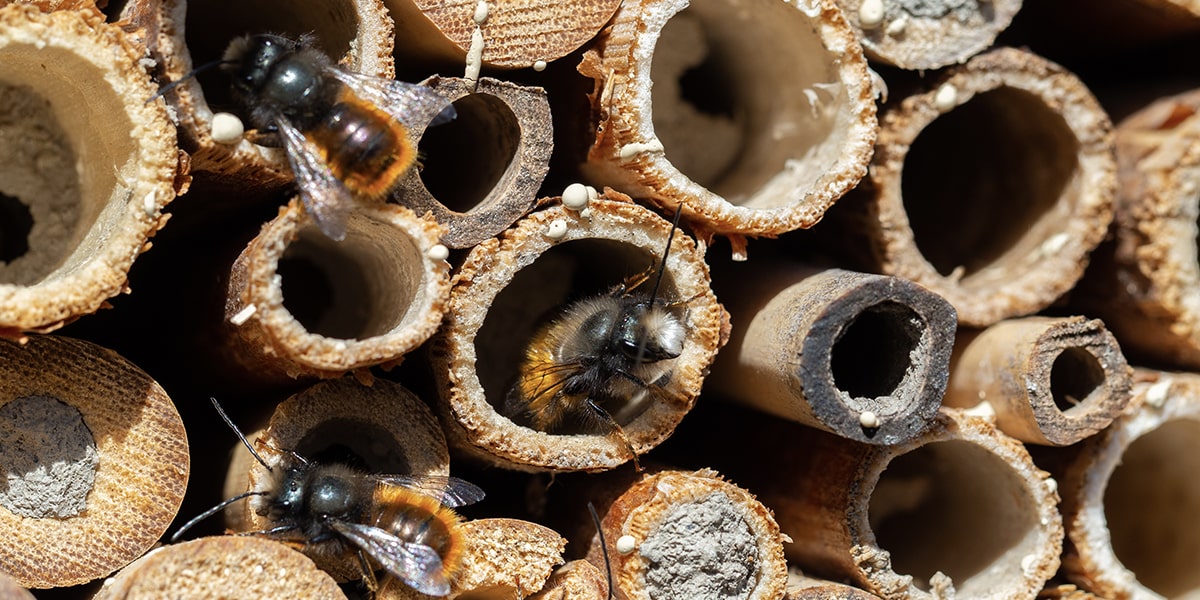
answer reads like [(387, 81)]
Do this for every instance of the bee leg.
[(616, 428), (634, 281), (268, 137), (368, 574)]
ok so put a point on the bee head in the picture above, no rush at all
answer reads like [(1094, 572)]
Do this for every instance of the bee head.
[(249, 59), (648, 332)]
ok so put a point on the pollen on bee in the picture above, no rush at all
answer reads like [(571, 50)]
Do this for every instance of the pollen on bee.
[(626, 544), (227, 128)]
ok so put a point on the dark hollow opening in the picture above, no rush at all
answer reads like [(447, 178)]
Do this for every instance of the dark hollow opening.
[(707, 88), (1075, 375), (465, 158), (326, 290), (359, 444), (874, 351), (16, 221)]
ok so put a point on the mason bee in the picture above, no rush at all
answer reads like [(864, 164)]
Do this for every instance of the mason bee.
[(405, 523)]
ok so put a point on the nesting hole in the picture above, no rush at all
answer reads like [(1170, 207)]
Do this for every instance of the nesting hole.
[(356, 443), (48, 458), (467, 157), (874, 351), (701, 550), (954, 507), (358, 288), (1150, 503), (16, 221), (1075, 375), (986, 184)]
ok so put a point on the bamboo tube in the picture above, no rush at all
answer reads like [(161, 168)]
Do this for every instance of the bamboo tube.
[(1066, 591), (576, 580), (801, 587), (302, 305), (358, 34), (507, 287), (991, 189), (927, 35), (86, 169), (1146, 295), (863, 356), (95, 460), (1052, 381), (9, 590), (761, 115), (509, 34), (688, 534), (222, 567), (1127, 494), (502, 559), (482, 170)]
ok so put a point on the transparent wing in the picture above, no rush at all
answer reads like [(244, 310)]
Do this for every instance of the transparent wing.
[(325, 198), (418, 565), (450, 491), (410, 103)]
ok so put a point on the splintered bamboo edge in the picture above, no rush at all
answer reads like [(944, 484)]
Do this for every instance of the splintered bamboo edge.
[(894, 35), (134, 485), (103, 164)]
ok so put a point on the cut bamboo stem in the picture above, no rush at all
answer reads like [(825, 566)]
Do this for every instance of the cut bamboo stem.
[(576, 580), (1052, 381), (482, 171), (1128, 494), (801, 587), (95, 460), (9, 590), (686, 534), (928, 35), (222, 567), (302, 305), (760, 115), (86, 169), (992, 188), (509, 286), (863, 356)]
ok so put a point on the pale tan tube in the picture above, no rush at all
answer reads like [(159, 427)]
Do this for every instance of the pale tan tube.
[(1129, 494), (302, 305), (863, 356), (761, 113), (991, 189), (86, 168), (508, 286), (801, 587), (928, 35), (576, 580), (94, 459), (1052, 381)]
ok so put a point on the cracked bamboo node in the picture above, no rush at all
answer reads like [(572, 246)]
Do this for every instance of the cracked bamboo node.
[(1128, 494), (481, 171), (302, 305), (1051, 381), (86, 168), (922, 35), (508, 286), (95, 460), (515, 33), (863, 356), (761, 113), (222, 567), (996, 200), (358, 34), (694, 535)]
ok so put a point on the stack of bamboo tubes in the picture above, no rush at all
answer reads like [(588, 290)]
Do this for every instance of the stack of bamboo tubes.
[(933, 296)]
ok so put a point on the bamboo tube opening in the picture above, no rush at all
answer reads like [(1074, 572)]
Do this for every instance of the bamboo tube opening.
[(1150, 503), (997, 167), (463, 160), (675, 552), (16, 221), (1075, 377), (874, 352), (48, 458), (360, 444), (955, 508)]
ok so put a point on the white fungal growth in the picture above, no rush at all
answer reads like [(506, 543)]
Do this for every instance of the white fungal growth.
[(870, 14), (481, 12), (868, 420), (474, 57), (227, 128), (150, 203), (539, 66), (626, 544), (557, 229), (576, 196), (243, 315), (1052, 484), (439, 252), (945, 98), (631, 150)]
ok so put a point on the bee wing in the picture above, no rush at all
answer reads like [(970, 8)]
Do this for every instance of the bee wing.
[(409, 103), (324, 196), (450, 491), (417, 564)]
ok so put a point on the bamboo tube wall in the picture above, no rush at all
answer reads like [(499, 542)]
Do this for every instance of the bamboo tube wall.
[(920, 245)]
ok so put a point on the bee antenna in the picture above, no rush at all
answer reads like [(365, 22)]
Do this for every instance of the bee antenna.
[(662, 266), (603, 548), (229, 422), (190, 74), (212, 511)]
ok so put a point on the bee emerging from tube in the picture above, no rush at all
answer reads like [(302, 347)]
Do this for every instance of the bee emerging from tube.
[(608, 350), (404, 523)]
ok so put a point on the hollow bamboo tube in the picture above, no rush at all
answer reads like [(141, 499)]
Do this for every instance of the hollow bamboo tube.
[(684, 534), (86, 169), (801, 587), (576, 580), (927, 35), (482, 170), (1147, 293), (95, 460), (863, 356), (1052, 381), (1128, 494), (302, 305), (222, 567), (358, 34), (508, 34), (1066, 591), (992, 188), (508, 286), (782, 126), (502, 559)]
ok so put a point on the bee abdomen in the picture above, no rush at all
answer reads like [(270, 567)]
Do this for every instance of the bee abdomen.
[(364, 147)]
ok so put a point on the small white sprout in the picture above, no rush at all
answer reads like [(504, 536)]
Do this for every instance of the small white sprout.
[(227, 128), (539, 66), (626, 544), (945, 98), (439, 252), (576, 196), (557, 229), (869, 420), (870, 14), (243, 315)]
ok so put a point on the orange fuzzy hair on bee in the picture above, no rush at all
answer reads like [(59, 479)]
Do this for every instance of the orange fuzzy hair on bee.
[(367, 149), (413, 515)]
